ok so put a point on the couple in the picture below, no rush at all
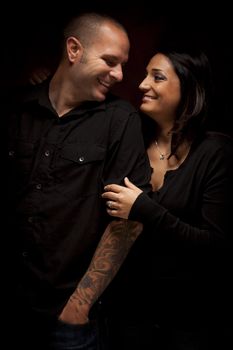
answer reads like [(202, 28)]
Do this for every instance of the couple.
[(71, 144)]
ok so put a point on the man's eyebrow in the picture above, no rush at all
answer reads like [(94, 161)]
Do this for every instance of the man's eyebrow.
[(114, 58)]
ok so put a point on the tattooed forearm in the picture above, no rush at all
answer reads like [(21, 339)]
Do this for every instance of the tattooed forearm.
[(109, 255)]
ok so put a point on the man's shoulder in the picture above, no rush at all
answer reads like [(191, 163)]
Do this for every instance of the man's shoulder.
[(113, 101), (24, 94)]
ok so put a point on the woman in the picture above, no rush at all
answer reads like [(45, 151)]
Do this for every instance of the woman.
[(180, 265)]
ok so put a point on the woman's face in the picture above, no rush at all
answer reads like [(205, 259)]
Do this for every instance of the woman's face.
[(161, 90)]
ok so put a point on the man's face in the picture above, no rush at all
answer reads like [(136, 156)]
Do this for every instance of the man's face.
[(101, 64)]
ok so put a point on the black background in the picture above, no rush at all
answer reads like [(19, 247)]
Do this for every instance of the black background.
[(31, 34)]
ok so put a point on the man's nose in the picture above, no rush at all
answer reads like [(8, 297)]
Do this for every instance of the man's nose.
[(117, 72)]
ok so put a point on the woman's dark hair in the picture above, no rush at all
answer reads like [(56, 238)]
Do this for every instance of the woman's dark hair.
[(193, 70)]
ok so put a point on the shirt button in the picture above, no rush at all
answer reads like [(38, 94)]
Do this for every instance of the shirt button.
[(81, 159), (47, 153), (25, 254), (11, 153), (30, 219), (38, 186)]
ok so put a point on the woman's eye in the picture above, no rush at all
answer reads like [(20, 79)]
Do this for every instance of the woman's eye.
[(159, 77)]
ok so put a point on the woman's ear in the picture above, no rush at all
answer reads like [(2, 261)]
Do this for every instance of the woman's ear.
[(74, 49)]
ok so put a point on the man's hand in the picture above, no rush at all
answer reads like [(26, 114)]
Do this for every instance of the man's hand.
[(75, 311)]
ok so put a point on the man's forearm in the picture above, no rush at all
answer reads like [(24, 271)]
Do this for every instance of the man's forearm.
[(109, 256)]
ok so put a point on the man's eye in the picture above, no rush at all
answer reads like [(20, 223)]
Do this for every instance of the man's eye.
[(110, 63)]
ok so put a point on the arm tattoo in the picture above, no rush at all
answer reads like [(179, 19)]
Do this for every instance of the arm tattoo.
[(110, 253)]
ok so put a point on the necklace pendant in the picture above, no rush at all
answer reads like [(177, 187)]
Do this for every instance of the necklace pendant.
[(161, 155)]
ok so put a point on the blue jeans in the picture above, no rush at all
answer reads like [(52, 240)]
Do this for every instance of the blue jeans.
[(30, 333), (75, 337)]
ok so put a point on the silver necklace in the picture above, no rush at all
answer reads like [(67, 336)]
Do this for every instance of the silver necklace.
[(162, 156)]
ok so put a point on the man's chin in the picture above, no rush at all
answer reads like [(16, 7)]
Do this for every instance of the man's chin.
[(101, 97)]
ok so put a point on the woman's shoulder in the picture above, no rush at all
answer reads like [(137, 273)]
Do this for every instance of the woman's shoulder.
[(219, 136), (212, 148), (214, 141)]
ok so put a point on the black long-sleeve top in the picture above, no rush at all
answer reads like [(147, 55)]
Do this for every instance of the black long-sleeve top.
[(181, 265), (193, 203)]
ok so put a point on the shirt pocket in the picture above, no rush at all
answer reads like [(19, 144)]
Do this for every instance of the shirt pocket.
[(83, 155), (80, 167)]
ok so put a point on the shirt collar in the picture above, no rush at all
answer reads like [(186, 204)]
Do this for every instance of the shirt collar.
[(40, 94)]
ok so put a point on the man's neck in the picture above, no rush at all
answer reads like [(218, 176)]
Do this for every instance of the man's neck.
[(61, 94)]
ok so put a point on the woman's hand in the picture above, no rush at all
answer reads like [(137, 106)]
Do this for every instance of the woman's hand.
[(120, 199), (39, 75)]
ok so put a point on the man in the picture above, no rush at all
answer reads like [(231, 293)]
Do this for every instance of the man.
[(68, 139)]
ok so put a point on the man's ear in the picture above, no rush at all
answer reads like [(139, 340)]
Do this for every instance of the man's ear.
[(74, 49)]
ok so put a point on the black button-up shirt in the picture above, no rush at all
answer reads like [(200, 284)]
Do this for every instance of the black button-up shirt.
[(59, 167)]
